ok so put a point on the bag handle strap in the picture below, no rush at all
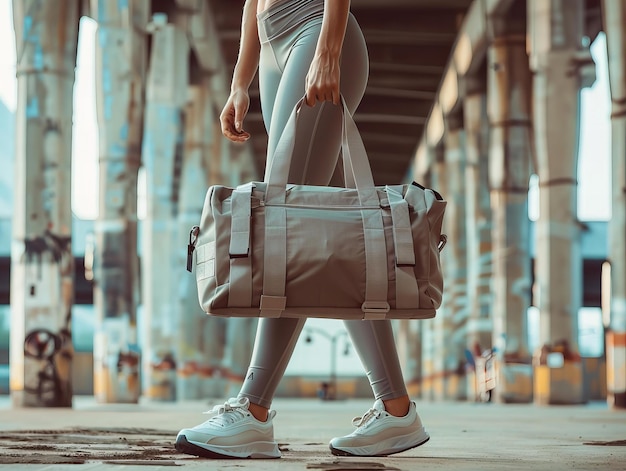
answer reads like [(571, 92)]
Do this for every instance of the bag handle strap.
[(273, 299), (358, 173)]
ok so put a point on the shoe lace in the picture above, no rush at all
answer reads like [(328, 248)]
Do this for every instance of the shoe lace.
[(370, 415), (230, 412)]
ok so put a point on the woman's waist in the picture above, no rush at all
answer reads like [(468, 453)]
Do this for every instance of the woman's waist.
[(284, 15)]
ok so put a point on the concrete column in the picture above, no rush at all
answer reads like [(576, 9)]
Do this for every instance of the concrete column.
[(216, 157), (478, 224), (438, 352), (556, 53), (196, 366), (427, 370), (454, 227), (42, 264), (509, 88), (410, 343), (240, 332), (409, 332), (424, 174), (615, 26), (166, 95), (214, 377), (120, 73), (241, 166)]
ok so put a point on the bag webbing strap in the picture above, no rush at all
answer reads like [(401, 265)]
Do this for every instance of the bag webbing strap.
[(275, 257), (273, 300), (407, 288), (240, 283), (375, 306)]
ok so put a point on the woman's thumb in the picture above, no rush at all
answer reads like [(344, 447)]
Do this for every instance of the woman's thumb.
[(240, 113)]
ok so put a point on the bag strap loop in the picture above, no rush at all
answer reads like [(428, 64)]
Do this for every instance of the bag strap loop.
[(240, 283), (407, 286)]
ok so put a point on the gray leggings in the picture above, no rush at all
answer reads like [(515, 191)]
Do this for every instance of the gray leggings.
[(288, 32)]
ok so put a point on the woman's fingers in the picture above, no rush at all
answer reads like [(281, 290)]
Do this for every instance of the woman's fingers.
[(310, 98), (229, 131), (323, 89), (241, 108), (231, 120), (321, 94), (242, 136)]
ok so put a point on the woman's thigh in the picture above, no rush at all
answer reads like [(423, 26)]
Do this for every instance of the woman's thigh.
[(318, 136)]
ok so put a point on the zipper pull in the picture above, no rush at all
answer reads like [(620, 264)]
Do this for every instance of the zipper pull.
[(193, 240)]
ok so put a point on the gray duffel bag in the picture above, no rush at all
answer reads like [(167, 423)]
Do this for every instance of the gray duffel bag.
[(272, 249)]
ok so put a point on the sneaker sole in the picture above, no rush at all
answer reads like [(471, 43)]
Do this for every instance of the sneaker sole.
[(185, 446), (340, 452)]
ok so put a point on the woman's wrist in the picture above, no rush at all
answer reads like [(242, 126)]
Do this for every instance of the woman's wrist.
[(327, 52), (238, 87)]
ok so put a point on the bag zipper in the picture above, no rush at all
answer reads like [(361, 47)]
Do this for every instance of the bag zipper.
[(193, 240), (305, 206)]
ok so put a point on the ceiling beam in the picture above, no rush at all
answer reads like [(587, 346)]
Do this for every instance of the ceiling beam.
[(394, 159), (416, 4), (388, 118), (384, 138), (400, 93), (394, 67), (364, 118), (385, 36), (403, 82)]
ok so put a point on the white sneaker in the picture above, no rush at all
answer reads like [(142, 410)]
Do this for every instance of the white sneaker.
[(233, 433), (379, 433)]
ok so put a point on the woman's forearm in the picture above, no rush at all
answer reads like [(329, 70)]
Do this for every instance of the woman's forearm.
[(333, 27), (249, 48)]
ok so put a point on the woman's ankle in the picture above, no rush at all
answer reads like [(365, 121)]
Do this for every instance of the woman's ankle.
[(398, 407), (260, 413)]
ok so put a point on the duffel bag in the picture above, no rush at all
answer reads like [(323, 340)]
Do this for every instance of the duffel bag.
[(273, 249)]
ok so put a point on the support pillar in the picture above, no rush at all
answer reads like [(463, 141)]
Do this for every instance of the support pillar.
[(214, 377), (42, 264), (240, 333), (424, 175), (196, 365), (437, 345), (509, 88), (412, 334), (410, 351), (427, 371), (478, 228), (615, 26), (556, 52), (454, 227), (120, 73), (166, 95)]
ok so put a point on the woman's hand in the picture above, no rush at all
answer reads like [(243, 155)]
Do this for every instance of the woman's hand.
[(322, 80), (233, 114)]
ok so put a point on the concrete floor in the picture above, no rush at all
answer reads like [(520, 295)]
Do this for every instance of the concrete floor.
[(464, 436)]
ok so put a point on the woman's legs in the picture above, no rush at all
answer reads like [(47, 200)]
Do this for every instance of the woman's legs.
[(376, 346), (273, 346), (283, 68), (282, 71)]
